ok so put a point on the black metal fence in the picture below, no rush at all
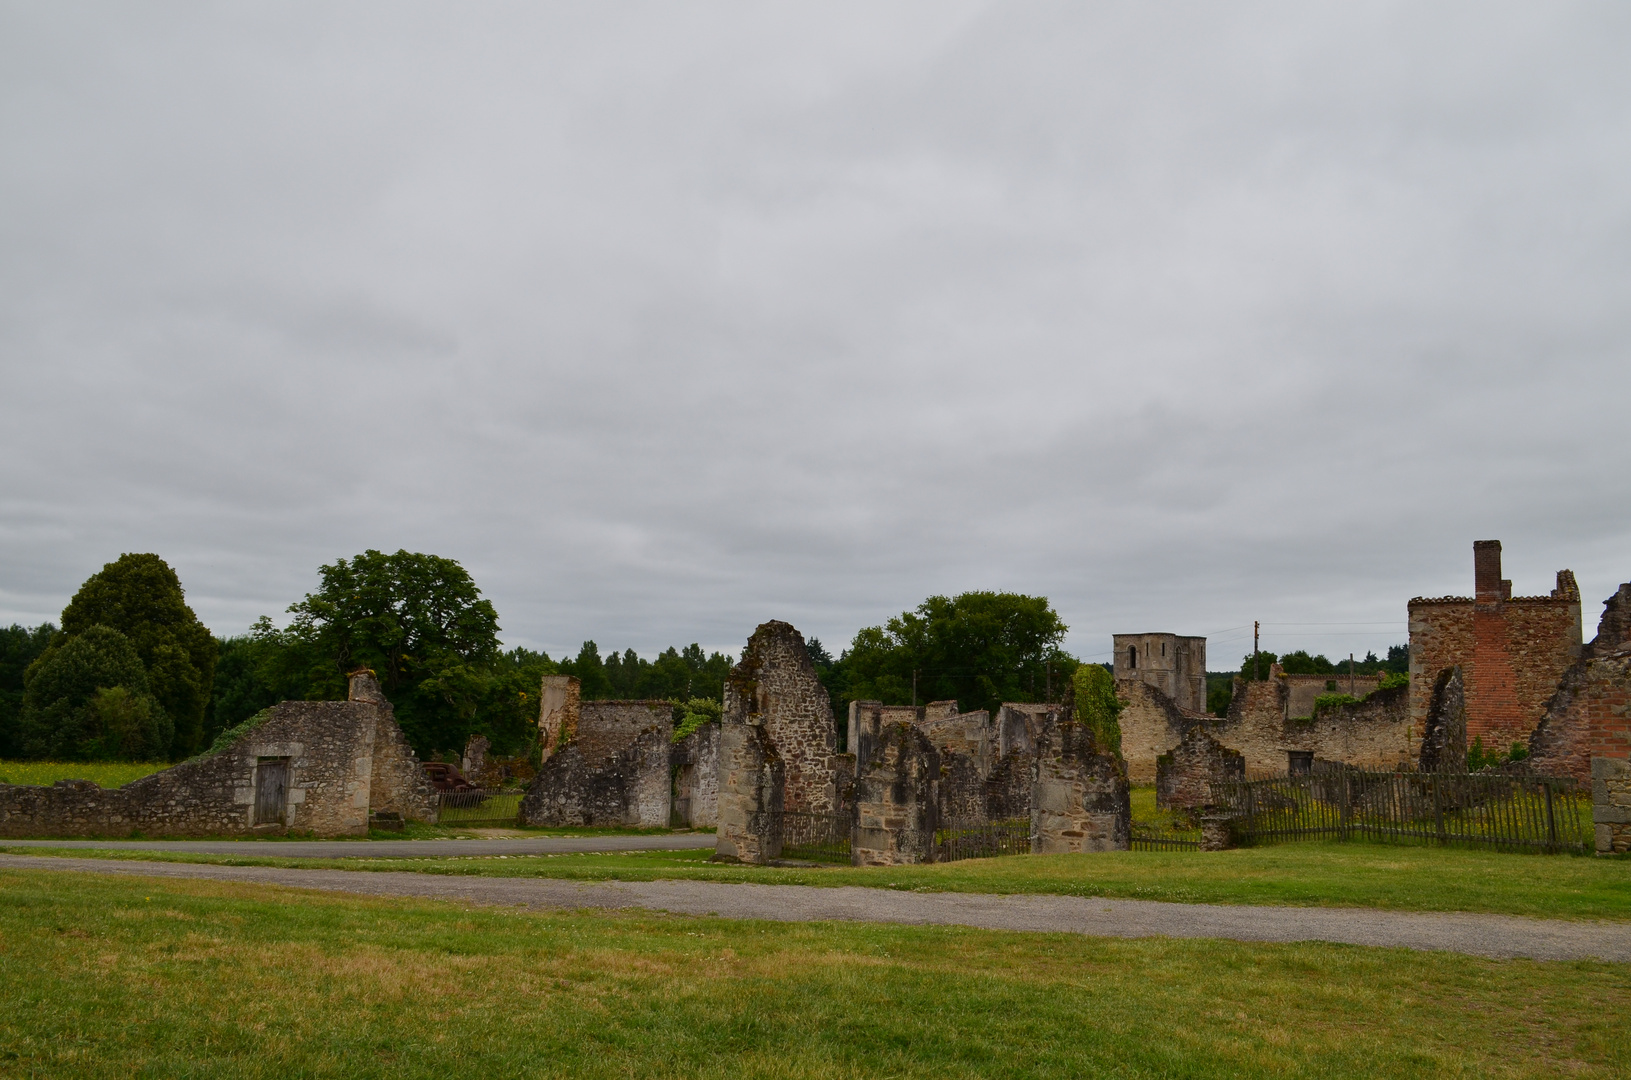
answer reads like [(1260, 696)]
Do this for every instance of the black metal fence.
[(493, 808), (983, 840), (816, 837), (1503, 811)]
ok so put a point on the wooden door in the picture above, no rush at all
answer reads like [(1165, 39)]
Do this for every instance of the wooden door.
[(271, 791)]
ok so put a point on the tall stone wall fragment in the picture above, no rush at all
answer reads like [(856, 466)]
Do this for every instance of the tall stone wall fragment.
[(558, 705), (897, 800), (1444, 739), (1081, 800), (778, 686), (752, 791), (1611, 804), (695, 764), (1589, 715)]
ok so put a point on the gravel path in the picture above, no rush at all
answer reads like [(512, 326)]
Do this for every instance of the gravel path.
[(378, 849), (1500, 936)]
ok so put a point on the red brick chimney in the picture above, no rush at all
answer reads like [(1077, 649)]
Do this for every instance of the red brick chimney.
[(1489, 587)]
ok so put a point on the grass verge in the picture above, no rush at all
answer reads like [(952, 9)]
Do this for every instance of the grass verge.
[(105, 978), (107, 774), (1299, 875)]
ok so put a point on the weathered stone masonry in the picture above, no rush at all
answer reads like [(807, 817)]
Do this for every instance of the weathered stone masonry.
[(1589, 716), (333, 762), (613, 768)]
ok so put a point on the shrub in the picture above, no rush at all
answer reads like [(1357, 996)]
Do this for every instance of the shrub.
[(1097, 705)]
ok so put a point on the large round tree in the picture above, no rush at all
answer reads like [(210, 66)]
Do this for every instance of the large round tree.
[(87, 699), (140, 596)]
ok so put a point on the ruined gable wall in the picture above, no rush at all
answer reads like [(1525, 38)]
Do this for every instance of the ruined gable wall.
[(329, 744), (787, 698), (398, 782), (1256, 723), (1185, 775), (1589, 715), (1151, 724), (630, 788)]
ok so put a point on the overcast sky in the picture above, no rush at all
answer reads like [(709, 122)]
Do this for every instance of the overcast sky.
[(668, 319)]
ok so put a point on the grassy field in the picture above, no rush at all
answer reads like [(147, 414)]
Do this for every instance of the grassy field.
[(1303, 875), (108, 774), (118, 978)]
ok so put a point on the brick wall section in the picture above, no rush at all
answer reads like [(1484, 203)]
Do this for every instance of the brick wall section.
[(752, 790), (630, 788), (1589, 716), (1611, 804), (695, 764), (897, 800), (1081, 801), (1512, 650), (780, 690), (1185, 774), (1444, 738)]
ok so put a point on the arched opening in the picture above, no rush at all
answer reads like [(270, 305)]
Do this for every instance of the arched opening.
[(1132, 656)]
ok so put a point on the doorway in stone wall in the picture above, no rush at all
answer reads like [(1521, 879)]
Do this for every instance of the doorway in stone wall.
[(271, 790)]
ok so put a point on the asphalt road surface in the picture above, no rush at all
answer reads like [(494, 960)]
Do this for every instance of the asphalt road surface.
[(1500, 936)]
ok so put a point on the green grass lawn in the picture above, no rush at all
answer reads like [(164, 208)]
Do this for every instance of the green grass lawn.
[(105, 977), (1317, 874), (108, 774)]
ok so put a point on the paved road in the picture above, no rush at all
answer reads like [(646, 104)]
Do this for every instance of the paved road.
[(1499, 936), (376, 849)]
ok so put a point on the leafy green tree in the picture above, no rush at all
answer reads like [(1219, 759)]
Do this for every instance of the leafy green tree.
[(1256, 668), (88, 699), (1097, 706), (980, 648), (141, 597), (419, 622), (19, 647)]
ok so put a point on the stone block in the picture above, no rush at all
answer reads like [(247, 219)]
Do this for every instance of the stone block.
[(897, 800), (1080, 799)]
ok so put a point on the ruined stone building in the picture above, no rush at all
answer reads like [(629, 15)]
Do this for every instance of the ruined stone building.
[(321, 767), (1512, 650), (616, 763), (1174, 665), (1589, 714)]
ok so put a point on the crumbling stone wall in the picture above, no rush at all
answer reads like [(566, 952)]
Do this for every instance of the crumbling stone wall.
[(397, 782), (1304, 690), (329, 747), (606, 728), (752, 788), (897, 800), (1081, 800), (558, 706), (1185, 774), (695, 764), (1444, 742), (781, 692), (1611, 804), (1512, 650), (1151, 725), (629, 788), (1589, 715), (972, 734), (1375, 733)]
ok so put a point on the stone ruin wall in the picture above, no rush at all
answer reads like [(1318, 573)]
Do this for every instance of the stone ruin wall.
[(1512, 650), (629, 788), (695, 764), (1376, 733), (1305, 689), (1151, 725), (752, 789), (1589, 715), (897, 800), (1186, 773), (334, 780), (780, 690), (607, 728), (1081, 800), (1611, 804)]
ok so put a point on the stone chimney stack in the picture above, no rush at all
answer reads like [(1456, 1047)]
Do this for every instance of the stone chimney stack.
[(1489, 587), (364, 687)]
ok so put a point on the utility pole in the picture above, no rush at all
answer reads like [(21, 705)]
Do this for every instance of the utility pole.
[(914, 688), (1257, 660), (1350, 674)]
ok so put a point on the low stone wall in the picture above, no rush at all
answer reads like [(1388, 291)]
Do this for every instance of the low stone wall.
[(339, 759), (897, 800), (1611, 804), (1184, 776), (1081, 801)]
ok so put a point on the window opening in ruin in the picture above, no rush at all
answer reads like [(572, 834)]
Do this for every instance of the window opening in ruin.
[(1132, 656), (271, 790), (1163, 648), (1300, 762)]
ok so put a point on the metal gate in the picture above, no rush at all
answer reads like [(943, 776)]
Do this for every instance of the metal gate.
[(271, 791)]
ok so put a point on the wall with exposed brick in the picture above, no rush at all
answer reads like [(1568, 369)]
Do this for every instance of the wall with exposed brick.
[(1512, 650), (1186, 773), (1589, 716), (1080, 800), (897, 800), (329, 746)]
